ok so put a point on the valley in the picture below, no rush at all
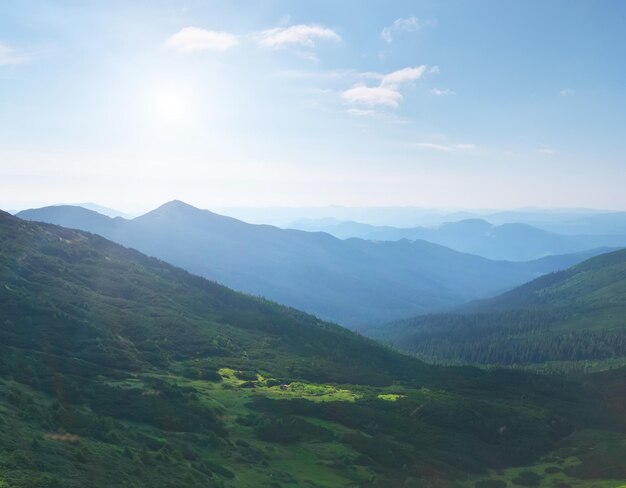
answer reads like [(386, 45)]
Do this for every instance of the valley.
[(565, 320), (113, 358), (288, 244)]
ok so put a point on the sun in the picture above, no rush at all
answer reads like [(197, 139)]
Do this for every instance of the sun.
[(169, 104)]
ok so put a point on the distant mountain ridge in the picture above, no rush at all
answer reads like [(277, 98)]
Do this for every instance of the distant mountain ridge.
[(509, 241), (353, 282), (561, 220)]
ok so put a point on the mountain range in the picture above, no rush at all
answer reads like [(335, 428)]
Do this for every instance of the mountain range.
[(559, 220), (117, 369), (509, 241), (354, 282)]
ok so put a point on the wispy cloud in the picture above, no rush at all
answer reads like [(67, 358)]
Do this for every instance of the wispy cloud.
[(405, 75), (408, 24), (305, 35), (434, 147), (442, 92), (9, 56), (566, 92), (387, 93), (545, 150), (445, 147), (372, 96), (194, 39)]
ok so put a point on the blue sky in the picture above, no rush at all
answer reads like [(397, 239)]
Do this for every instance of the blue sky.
[(482, 104)]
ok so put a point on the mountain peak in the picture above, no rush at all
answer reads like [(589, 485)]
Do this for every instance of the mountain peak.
[(177, 210), (176, 204), (175, 207)]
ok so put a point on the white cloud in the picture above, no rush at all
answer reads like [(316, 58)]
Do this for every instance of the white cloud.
[(370, 75), (566, 92), (372, 96), (193, 39), (405, 75), (434, 70), (442, 92), (8, 56), (387, 93), (466, 147), (408, 24), (299, 35), (546, 151)]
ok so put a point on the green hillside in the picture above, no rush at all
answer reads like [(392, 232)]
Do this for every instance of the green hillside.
[(577, 315), (119, 370)]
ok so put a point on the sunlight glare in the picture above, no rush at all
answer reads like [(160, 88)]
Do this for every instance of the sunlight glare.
[(169, 104)]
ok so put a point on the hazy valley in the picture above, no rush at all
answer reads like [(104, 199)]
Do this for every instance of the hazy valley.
[(354, 282)]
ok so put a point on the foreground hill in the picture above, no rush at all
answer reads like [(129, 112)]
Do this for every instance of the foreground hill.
[(119, 370), (352, 282), (572, 315), (510, 241)]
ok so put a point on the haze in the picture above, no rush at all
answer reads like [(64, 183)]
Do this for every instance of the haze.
[(255, 104)]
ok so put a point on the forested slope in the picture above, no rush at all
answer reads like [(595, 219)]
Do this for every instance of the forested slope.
[(574, 315)]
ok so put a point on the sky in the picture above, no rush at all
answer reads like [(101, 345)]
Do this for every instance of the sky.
[(438, 104)]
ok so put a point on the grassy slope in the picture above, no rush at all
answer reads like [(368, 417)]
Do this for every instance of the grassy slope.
[(574, 315), (119, 370)]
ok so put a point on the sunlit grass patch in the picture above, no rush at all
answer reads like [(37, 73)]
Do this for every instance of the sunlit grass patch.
[(270, 387), (313, 392), (228, 374), (390, 397)]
